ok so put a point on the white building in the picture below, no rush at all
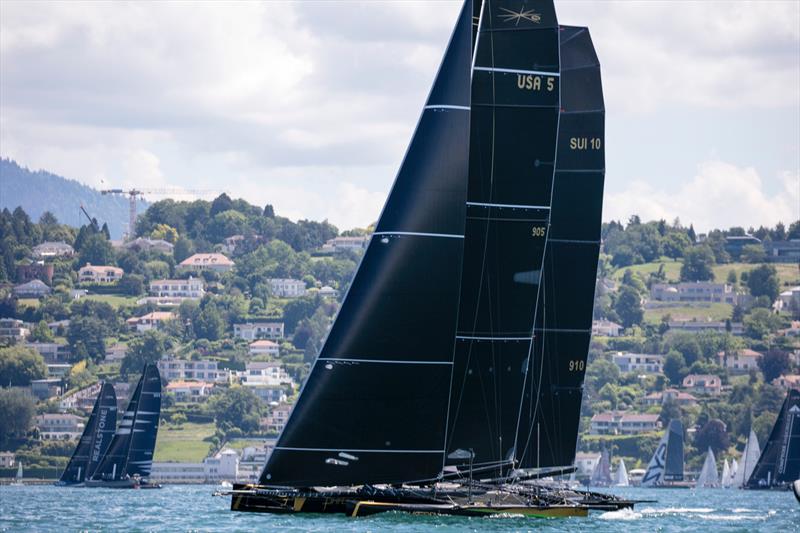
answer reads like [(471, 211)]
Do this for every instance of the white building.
[(199, 262), (623, 423), (83, 399), (52, 352), (286, 287), (149, 321), (606, 328), (639, 362), (266, 373), (53, 249), (740, 361), (7, 459), (99, 274), (258, 330), (190, 391), (191, 288), (275, 421), (147, 245), (180, 369), (59, 426), (586, 462), (341, 244), (264, 347), (224, 466), (697, 291), (11, 328)]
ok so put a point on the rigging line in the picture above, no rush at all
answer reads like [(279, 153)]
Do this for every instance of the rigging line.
[(446, 442), (577, 33), (531, 354), (419, 234), (516, 71)]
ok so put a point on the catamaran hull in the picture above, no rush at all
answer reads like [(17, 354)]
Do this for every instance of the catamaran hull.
[(121, 484)]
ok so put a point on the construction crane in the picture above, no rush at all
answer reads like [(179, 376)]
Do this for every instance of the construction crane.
[(133, 193), (92, 221)]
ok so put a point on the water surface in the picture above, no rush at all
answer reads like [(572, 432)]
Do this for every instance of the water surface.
[(192, 508)]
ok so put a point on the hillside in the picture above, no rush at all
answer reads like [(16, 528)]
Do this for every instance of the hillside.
[(40, 191)]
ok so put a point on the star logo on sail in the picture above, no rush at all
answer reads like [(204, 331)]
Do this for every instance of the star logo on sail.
[(518, 16)]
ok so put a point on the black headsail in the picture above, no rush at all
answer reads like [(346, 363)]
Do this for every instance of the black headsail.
[(374, 405), (131, 450), (548, 431), (779, 463), (95, 439)]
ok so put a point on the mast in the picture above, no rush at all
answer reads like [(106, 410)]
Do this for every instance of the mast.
[(374, 406)]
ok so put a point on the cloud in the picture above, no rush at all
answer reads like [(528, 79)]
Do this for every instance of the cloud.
[(719, 195)]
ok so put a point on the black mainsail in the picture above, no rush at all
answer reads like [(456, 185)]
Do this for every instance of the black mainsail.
[(779, 463), (95, 440), (466, 328), (373, 407), (131, 450)]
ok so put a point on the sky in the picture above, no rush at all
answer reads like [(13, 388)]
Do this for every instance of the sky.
[(310, 105)]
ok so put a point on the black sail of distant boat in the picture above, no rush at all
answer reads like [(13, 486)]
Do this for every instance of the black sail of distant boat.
[(667, 461), (779, 463), (95, 440), (550, 412), (373, 407), (513, 133), (131, 450)]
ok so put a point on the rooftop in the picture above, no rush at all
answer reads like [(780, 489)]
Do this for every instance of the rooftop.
[(207, 259)]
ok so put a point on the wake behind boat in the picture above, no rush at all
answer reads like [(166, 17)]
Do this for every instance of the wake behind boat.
[(487, 250)]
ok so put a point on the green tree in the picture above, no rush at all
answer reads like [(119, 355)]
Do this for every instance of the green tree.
[(675, 244), (712, 435), (761, 322), (763, 281), (732, 278), (698, 263), (41, 333), (236, 407), (131, 284), (298, 309), (774, 363), (16, 411), (165, 232), (763, 423), (599, 372), (675, 367), (753, 253), (96, 250), (629, 306), (208, 323), (183, 249), (670, 410), (86, 338), (19, 365), (151, 346)]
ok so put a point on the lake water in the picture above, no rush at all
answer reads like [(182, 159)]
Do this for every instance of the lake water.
[(192, 508)]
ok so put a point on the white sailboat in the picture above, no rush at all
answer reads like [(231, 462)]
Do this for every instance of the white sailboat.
[(621, 477), (725, 479), (734, 471), (709, 477), (18, 480), (752, 451)]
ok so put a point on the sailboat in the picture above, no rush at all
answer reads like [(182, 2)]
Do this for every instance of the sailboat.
[(734, 472), (779, 463), (486, 250), (709, 476), (725, 478), (621, 478), (18, 479), (129, 458), (666, 466), (601, 476), (750, 456), (95, 440)]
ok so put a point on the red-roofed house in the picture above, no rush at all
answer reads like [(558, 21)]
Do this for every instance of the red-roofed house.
[(670, 395), (623, 423), (740, 361), (99, 274), (264, 347), (199, 262), (190, 391), (788, 381), (149, 321), (703, 383)]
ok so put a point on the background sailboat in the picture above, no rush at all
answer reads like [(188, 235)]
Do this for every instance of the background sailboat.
[(709, 476), (621, 478), (750, 456), (725, 479), (667, 462), (18, 479)]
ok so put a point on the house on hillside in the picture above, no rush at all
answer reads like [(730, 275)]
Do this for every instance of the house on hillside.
[(696, 291), (258, 330), (190, 391), (703, 384), (694, 326), (13, 329), (787, 381), (783, 251), (740, 361), (341, 244), (639, 362), (149, 321), (99, 274), (606, 328), (200, 262), (191, 288), (48, 250), (275, 421), (59, 426), (286, 287), (44, 389), (52, 352), (586, 462), (670, 395), (180, 369), (33, 289), (623, 423), (264, 347), (7, 459), (147, 245)]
